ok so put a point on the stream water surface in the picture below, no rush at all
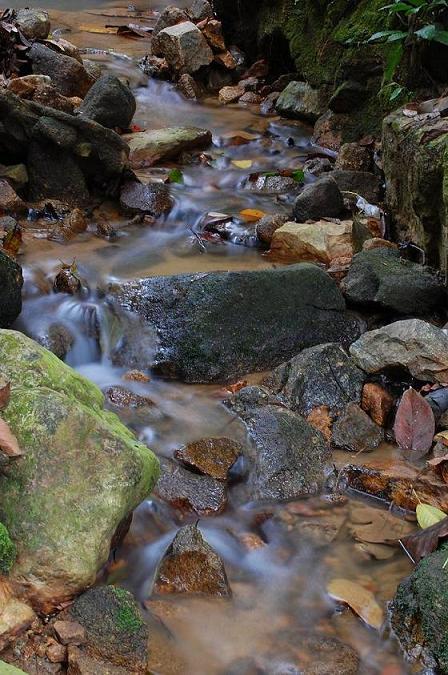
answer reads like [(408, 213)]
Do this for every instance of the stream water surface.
[(278, 566)]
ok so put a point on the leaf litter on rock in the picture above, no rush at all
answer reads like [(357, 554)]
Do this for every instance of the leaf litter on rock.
[(359, 599), (414, 426)]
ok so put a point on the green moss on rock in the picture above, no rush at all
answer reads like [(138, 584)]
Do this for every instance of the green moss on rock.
[(7, 551)]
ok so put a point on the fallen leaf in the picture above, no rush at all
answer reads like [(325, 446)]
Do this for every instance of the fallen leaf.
[(414, 425), (242, 163), (5, 392), (428, 515), (98, 29), (234, 388), (359, 599), (175, 176), (8, 442), (251, 215), (424, 542), (133, 30), (375, 526), (12, 241)]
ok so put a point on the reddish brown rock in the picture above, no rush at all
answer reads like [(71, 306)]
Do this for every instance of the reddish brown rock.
[(56, 653), (189, 491), (9, 200), (69, 632), (320, 419), (121, 397), (190, 565), (377, 242), (212, 31), (211, 456), (354, 157), (377, 402), (250, 98), (226, 59), (229, 95)]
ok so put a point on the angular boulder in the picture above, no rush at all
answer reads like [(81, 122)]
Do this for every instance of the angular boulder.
[(34, 23), (381, 278), (183, 46), (11, 282), (109, 102), (419, 613), (217, 326), (319, 242), (300, 101), (321, 199), (362, 183), (148, 147), (319, 376), (81, 473), (415, 345), (416, 170), (68, 75)]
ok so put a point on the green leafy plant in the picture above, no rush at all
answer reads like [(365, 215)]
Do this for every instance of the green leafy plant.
[(419, 21)]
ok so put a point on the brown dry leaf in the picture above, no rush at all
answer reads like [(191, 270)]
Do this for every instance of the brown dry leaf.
[(251, 215), (5, 393), (376, 551), (98, 29), (234, 388), (359, 599), (8, 442), (414, 425), (12, 241), (374, 526), (424, 542), (441, 436)]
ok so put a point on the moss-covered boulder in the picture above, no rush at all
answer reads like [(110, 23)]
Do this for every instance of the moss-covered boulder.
[(81, 473), (10, 290), (419, 612), (415, 159), (7, 551)]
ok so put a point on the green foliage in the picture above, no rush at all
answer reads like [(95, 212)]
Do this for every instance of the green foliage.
[(128, 618), (7, 551), (419, 21)]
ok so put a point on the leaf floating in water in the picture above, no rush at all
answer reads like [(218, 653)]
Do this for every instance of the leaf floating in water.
[(8, 442), (251, 215), (359, 599), (242, 163), (424, 542), (428, 515), (175, 176), (414, 425)]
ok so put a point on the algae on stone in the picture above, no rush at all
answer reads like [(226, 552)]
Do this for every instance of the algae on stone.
[(7, 551)]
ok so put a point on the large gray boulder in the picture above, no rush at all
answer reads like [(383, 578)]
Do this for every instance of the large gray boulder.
[(34, 23), (109, 102), (415, 345), (183, 46), (11, 282), (322, 199), (381, 278), (68, 75), (299, 100), (217, 326)]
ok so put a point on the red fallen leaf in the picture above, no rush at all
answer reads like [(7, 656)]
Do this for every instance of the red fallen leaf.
[(136, 128), (8, 442), (414, 425), (424, 542), (5, 392), (234, 388)]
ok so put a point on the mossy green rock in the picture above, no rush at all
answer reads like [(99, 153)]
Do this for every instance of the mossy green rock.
[(415, 160), (7, 669), (7, 551), (82, 472), (419, 612), (114, 625)]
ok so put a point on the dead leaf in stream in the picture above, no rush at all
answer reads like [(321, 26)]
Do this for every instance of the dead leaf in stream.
[(8, 442), (424, 542), (359, 599), (428, 515), (414, 426), (252, 215), (376, 526), (5, 393)]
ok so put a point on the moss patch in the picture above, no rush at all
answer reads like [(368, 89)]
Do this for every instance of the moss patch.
[(7, 551)]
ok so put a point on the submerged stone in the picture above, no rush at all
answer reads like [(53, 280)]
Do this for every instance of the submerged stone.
[(190, 492), (211, 456)]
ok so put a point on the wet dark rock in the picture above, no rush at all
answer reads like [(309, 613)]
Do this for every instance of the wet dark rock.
[(121, 397), (9, 199), (348, 97), (34, 23), (200, 10), (250, 398), (273, 184), (216, 78), (49, 96), (66, 281), (322, 199), (267, 106), (187, 491), (114, 626), (355, 431), (190, 565), (155, 67), (57, 339), (109, 102), (288, 458), (211, 456), (170, 16), (300, 101), (267, 225), (67, 157), (68, 75), (11, 282), (188, 87), (419, 613), (151, 198), (217, 326), (381, 278), (354, 157), (318, 166), (362, 183), (321, 375)]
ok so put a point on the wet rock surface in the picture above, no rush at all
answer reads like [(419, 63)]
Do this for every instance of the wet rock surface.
[(190, 492), (211, 456), (148, 147), (190, 565), (321, 375), (321, 199), (151, 198), (11, 282), (265, 323), (382, 278), (109, 102), (68, 75), (355, 431), (413, 344), (299, 100)]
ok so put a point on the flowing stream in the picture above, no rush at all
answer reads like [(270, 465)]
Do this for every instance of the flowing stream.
[(278, 566)]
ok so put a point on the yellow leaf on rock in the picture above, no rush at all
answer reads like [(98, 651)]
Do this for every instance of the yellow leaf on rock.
[(242, 163), (251, 215), (428, 515), (359, 599)]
